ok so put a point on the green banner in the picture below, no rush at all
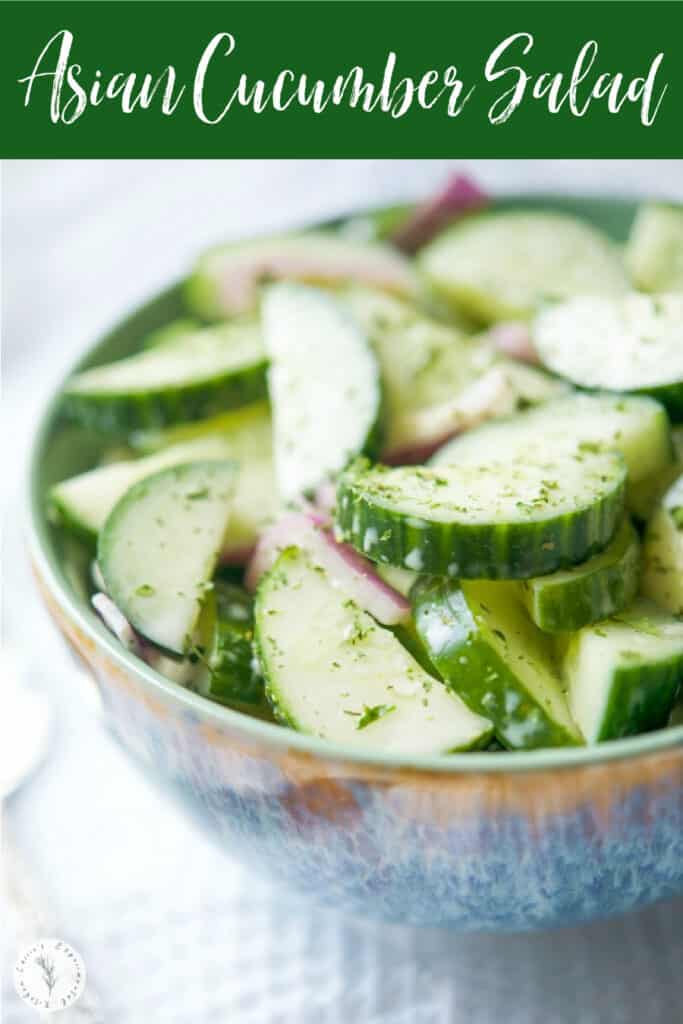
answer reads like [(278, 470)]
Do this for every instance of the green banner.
[(342, 79)]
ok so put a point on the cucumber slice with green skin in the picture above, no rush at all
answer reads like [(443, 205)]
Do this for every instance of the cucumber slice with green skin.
[(643, 497), (233, 676), (82, 503), (495, 520), (623, 674), (654, 253), (573, 598), (663, 552), (635, 426), (249, 429), (227, 280), (631, 343), (438, 381), (324, 387), (349, 680), (188, 377), (480, 640), (504, 266), (159, 546)]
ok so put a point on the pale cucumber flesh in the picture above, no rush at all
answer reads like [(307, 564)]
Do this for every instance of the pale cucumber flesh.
[(349, 680)]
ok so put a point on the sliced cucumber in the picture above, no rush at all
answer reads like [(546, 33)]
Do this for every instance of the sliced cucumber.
[(635, 426), (494, 520), (479, 639), (248, 427), (573, 598), (663, 552), (324, 387), (187, 377), (159, 546), (423, 364), (349, 680), (227, 279), (83, 502), (503, 266), (654, 253), (438, 381), (233, 675), (623, 674), (630, 343), (643, 497)]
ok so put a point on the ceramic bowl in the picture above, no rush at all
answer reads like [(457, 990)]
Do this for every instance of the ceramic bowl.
[(472, 841)]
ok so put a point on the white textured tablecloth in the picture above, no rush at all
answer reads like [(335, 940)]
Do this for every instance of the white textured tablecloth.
[(170, 929)]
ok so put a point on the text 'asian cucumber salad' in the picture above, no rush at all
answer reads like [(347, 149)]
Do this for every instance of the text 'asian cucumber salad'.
[(413, 484)]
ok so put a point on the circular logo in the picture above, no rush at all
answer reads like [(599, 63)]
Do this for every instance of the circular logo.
[(49, 975)]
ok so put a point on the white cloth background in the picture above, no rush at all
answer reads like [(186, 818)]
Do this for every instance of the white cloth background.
[(171, 930)]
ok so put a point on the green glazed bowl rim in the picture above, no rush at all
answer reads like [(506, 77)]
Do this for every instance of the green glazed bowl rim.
[(47, 565)]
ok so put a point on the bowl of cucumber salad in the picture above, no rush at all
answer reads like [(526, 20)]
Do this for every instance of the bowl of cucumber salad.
[(372, 537)]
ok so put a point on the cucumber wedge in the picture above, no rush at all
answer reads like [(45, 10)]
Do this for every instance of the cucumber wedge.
[(623, 674), (654, 253), (479, 639), (349, 680), (437, 380), (631, 343), (82, 503), (635, 426), (324, 387), (187, 377), (494, 520), (227, 279), (233, 675), (663, 552), (159, 546), (503, 266), (573, 598)]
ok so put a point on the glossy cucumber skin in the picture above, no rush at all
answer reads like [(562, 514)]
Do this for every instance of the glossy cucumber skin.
[(627, 714), (120, 414), (233, 675), (573, 603), (474, 670), (462, 550)]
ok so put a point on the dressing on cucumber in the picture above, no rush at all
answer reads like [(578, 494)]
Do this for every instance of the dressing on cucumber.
[(503, 266), (187, 377), (572, 598), (159, 547), (637, 427), (437, 380), (484, 647), (663, 552), (490, 519), (654, 253), (227, 279), (349, 680), (623, 674), (631, 343), (324, 387)]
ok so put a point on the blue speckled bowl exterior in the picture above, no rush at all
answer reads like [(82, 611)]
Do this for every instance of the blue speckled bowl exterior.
[(469, 850)]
